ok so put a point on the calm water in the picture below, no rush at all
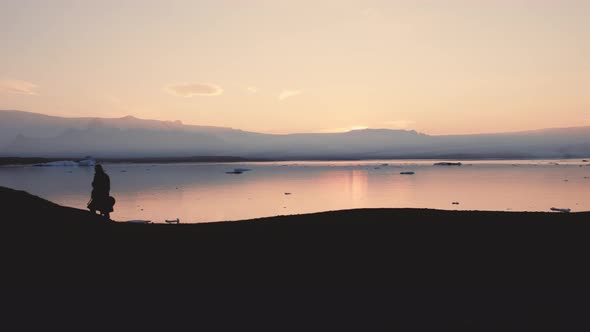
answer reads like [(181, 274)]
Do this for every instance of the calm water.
[(203, 192)]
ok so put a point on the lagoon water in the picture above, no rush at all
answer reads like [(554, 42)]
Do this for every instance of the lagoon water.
[(204, 192)]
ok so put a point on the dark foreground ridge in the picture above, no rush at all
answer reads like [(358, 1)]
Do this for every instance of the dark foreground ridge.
[(47, 244)]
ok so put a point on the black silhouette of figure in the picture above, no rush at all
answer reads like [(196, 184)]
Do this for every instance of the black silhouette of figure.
[(100, 199)]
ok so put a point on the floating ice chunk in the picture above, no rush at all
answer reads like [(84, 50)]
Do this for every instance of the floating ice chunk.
[(238, 171), (564, 210), (139, 221), (447, 164)]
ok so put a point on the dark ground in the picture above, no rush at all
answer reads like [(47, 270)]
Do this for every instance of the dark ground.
[(352, 248), (472, 271)]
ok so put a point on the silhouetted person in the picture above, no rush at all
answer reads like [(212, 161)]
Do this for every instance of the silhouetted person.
[(100, 199)]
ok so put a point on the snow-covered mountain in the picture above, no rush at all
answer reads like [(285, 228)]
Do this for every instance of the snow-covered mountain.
[(30, 134)]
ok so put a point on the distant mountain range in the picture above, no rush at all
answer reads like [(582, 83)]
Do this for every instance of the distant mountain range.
[(25, 134)]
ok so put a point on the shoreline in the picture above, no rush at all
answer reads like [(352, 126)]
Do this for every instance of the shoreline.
[(45, 244), (384, 213), (19, 196), (19, 199), (27, 161)]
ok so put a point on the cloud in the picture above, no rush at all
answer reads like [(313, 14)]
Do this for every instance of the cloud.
[(194, 89), (18, 87), (399, 124), (252, 89), (288, 93)]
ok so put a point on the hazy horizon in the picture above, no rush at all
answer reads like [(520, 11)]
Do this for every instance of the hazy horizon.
[(38, 135), (458, 67), (180, 122)]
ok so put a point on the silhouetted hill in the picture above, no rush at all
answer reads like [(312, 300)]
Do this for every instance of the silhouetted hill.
[(47, 244), (24, 134)]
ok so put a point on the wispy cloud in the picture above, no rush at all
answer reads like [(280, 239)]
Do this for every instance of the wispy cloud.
[(17, 87), (288, 93), (399, 124), (252, 89), (194, 89)]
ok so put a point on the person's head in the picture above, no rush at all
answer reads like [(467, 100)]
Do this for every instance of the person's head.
[(98, 169)]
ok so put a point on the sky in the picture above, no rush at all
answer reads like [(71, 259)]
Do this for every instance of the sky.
[(275, 66)]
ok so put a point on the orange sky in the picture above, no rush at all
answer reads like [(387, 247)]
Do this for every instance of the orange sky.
[(456, 66)]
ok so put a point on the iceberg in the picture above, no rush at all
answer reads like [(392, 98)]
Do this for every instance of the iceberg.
[(87, 161), (139, 221), (60, 163), (447, 164)]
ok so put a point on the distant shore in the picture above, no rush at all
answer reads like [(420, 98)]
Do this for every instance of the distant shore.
[(4, 161), (152, 160), (45, 243)]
